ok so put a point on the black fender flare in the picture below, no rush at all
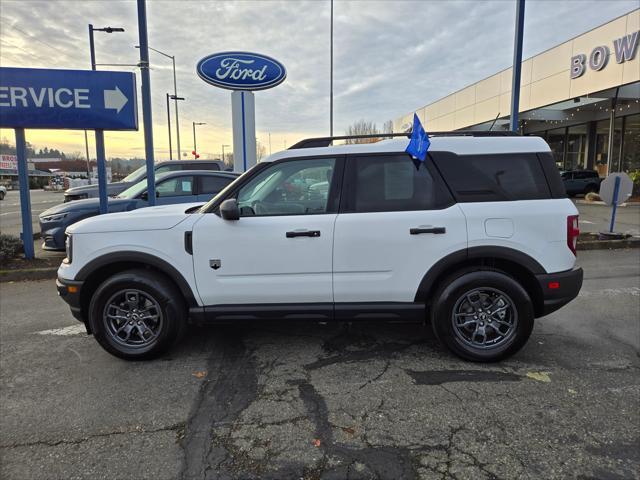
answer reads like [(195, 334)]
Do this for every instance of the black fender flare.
[(460, 256), (143, 258)]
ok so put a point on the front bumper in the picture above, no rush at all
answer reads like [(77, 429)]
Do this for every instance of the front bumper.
[(53, 235), (69, 291), (558, 289)]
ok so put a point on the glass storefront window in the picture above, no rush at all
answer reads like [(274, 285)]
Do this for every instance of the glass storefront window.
[(576, 148), (602, 146), (631, 145), (555, 139)]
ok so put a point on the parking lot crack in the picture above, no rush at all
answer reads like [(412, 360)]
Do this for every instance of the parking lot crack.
[(125, 431), (220, 402)]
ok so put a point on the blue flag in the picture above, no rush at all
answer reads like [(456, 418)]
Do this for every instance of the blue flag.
[(419, 143)]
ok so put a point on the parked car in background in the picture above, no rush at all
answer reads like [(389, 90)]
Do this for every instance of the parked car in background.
[(578, 182), (91, 191), (171, 187), (3, 192)]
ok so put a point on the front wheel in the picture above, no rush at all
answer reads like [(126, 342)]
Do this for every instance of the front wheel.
[(137, 314), (482, 316), (1, 195)]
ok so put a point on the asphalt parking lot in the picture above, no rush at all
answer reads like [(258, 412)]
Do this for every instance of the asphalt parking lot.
[(10, 214), (326, 401)]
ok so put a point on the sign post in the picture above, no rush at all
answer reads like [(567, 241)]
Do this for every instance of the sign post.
[(242, 72), (25, 200), (614, 190), (64, 99)]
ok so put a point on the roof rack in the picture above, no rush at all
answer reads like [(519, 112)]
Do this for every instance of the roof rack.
[(326, 141)]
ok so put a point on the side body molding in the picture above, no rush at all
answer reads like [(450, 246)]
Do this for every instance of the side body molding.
[(470, 254), (141, 258)]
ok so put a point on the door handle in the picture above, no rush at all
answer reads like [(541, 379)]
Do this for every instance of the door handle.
[(303, 233), (419, 230)]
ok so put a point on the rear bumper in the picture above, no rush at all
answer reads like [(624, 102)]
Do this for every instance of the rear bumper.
[(69, 291), (559, 288)]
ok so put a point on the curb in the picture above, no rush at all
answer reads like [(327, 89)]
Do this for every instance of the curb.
[(633, 242), (27, 274), (50, 273)]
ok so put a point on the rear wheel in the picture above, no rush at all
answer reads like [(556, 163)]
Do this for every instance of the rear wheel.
[(482, 316), (1, 195), (137, 314)]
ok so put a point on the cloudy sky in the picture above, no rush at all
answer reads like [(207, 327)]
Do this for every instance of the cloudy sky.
[(391, 57)]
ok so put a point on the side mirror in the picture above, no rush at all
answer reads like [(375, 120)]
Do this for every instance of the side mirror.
[(229, 209)]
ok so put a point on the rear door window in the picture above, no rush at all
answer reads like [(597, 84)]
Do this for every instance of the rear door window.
[(493, 178), (213, 184), (386, 183)]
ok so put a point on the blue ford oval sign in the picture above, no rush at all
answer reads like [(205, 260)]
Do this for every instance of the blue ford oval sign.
[(241, 71)]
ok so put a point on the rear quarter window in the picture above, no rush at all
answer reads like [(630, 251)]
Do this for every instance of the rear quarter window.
[(494, 177)]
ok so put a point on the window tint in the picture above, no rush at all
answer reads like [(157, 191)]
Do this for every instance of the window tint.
[(168, 168), (201, 166), (392, 183), (288, 188), (175, 187), (213, 184), (493, 178)]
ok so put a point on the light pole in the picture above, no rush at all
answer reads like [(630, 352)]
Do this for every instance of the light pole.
[(100, 155), (195, 149), (169, 128), (172, 97), (517, 67), (175, 94), (86, 146), (331, 80), (223, 160)]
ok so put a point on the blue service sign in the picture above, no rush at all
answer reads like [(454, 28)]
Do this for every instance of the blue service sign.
[(241, 71), (67, 99)]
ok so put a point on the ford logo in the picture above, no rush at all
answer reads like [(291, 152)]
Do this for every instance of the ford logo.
[(241, 71)]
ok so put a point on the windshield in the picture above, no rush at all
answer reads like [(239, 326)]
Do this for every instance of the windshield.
[(205, 208), (135, 175), (134, 190)]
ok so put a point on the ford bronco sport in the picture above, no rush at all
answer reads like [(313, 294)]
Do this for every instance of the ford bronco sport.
[(479, 239)]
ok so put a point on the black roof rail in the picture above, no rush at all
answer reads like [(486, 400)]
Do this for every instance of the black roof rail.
[(326, 141)]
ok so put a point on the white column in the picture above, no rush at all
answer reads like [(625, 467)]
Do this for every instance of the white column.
[(243, 115)]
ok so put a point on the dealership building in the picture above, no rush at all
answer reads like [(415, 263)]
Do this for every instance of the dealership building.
[(582, 96)]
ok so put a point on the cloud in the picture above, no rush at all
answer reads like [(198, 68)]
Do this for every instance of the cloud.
[(390, 56)]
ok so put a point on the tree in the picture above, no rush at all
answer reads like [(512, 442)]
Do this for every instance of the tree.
[(387, 127), (261, 151), (362, 127)]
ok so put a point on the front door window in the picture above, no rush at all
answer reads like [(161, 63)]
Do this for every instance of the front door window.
[(297, 187)]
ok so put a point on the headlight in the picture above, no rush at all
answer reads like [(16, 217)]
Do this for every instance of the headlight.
[(54, 218), (68, 246)]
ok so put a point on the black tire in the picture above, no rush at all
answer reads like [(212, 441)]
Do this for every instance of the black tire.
[(155, 291), (451, 298), (1, 195)]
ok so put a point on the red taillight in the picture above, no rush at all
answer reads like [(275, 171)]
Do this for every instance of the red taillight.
[(573, 230), (554, 285)]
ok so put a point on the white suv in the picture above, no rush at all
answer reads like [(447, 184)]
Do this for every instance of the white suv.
[(479, 239)]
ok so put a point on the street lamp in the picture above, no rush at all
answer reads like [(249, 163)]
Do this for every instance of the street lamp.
[(172, 97), (100, 155), (223, 160), (175, 94), (195, 150)]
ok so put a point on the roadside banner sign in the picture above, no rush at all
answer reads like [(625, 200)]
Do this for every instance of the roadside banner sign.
[(67, 99)]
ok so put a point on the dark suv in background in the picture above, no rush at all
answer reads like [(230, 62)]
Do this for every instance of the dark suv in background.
[(581, 181), (91, 191)]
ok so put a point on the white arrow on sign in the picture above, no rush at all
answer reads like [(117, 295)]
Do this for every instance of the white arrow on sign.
[(115, 99)]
